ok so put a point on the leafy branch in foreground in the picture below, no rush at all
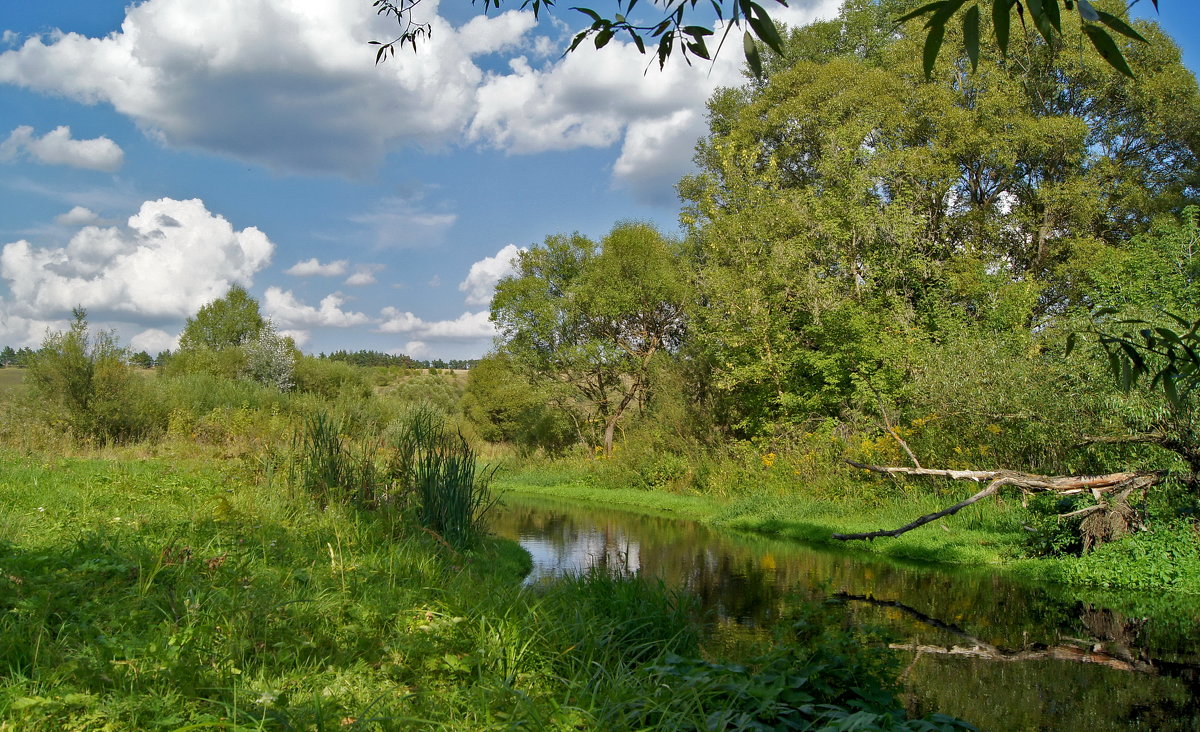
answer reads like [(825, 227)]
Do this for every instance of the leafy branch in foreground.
[(1044, 15), (673, 32), (1169, 358)]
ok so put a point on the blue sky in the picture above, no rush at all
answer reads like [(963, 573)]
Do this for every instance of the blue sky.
[(153, 154)]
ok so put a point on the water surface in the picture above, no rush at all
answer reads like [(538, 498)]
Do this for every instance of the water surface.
[(997, 652)]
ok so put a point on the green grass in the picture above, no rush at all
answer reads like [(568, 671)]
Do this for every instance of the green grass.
[(983, 534), (147, 595), (11, 378)]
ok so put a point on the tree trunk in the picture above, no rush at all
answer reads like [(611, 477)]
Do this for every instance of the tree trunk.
[(1123, 484)]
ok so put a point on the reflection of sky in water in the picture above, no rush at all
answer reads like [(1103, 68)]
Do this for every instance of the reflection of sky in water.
[(580, 551)]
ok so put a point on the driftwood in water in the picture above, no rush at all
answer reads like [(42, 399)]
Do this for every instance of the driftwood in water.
[(1117, 487), (1112, 652)]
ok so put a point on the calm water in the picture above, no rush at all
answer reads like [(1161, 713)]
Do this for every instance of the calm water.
[(1001, 654)]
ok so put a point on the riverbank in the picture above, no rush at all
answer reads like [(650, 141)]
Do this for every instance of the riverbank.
[(144, 594), (992, 533)]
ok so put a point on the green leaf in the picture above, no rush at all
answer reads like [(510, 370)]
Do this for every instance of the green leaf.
[(1087, 12), (589, 12), (1120, 26), (920, 11), (752, 56), (1070, 343), (1050, 8), (603, 37), (1001, 17), (971, 35), (1172, 393), (1038, 13), (765, 28), (943, 14), (1107, 48), (933, 44)]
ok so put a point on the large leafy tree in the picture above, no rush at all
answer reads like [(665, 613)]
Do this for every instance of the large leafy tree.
[(590, 319), (846, 205)]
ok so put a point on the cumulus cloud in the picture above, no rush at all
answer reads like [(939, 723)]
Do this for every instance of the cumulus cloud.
[(468, 326), (312, 267), (168, 260), (288, 85), (154, 341), (57, 147), (299, 337), (77, 216), (481, 280), (364, 274), (287, 311)]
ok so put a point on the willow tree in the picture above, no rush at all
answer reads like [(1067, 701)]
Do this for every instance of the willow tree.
[(589, 319), (846, 206)]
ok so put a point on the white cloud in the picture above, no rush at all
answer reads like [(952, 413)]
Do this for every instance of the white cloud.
[(171, 258), (291, 86), (299, 337), (364, 274), (288, 312), (466, 327), (57, 147), (77, 216), (19, 331), (288, 85), (480, 283), (154, 341), (312, 267)]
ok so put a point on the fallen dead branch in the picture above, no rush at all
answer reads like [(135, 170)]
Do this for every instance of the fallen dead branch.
[(1110, 492)]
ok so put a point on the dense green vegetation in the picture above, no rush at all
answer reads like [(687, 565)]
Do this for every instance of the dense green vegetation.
[(201, 546), (995, 270)]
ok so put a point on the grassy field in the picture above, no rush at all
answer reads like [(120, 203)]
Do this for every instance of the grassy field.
[(10, 378), (185, 595)]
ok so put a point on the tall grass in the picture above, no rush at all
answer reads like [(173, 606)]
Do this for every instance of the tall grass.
[(329, 469), (441, 468), (418, 458)]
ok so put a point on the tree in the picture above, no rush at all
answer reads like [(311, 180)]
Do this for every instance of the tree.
[(8, 357), (271, 359), (673, 28), (142, 360), (589, 319), (81, 381), (845, 206), (232, 320)]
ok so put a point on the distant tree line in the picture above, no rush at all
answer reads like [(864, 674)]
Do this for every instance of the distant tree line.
[(376, 358)]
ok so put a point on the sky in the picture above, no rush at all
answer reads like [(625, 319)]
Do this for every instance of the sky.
[(154, 153)]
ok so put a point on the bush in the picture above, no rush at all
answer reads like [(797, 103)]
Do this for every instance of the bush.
[(81, 382), (330, 379)]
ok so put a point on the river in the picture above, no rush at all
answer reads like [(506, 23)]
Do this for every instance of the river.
[(1002, 654)]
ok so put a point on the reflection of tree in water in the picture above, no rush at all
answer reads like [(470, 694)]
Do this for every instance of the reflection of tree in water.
[(1112, 644), (1066, 658)]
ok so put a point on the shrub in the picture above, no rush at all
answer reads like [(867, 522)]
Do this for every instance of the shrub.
[(81, 381)]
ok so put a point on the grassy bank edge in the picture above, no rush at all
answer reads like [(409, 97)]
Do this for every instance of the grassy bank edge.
[(972, 538)]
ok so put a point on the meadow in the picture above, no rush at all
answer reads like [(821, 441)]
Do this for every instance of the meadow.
[(270, 560)]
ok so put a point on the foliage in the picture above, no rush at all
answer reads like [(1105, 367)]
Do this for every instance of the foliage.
[(440, 469), (81, 380), (231, 320), (847, 212), (587, 321), (675, 30), (506, 407), (270, 358), (331, 471), (1165, 557), (330, 379)]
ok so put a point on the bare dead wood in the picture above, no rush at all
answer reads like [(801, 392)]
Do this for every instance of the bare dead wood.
[(1097, 485)]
